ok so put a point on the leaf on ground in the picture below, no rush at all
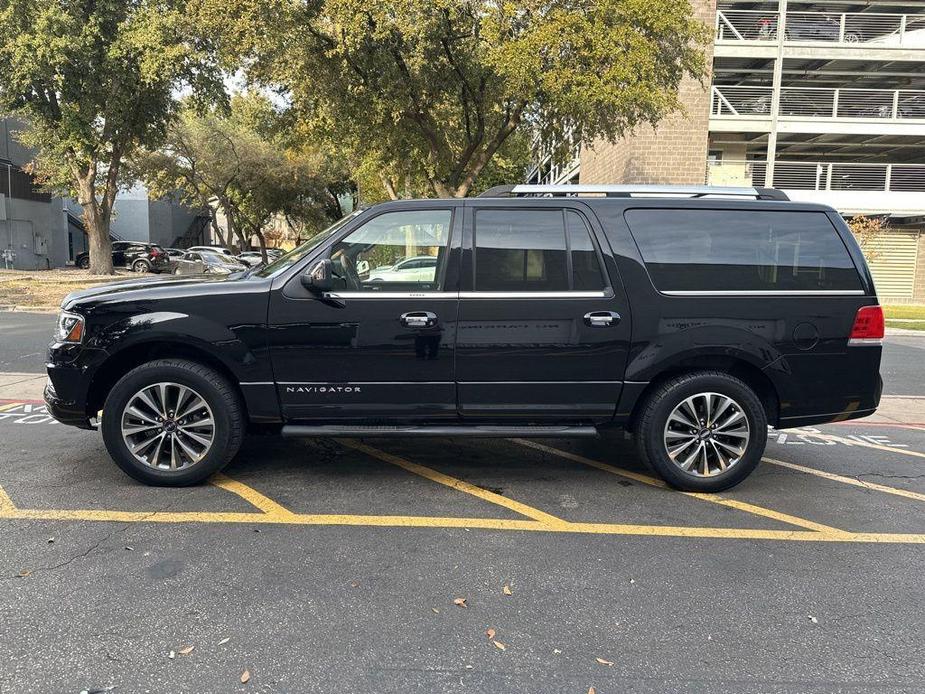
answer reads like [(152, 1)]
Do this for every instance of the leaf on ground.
[(461, 602), (354, 584), (24, 573), (245, 676), (171, 655), (186, 651), (436, 611), (51, 540), (507, 590), (608, 663), (130, 549), (490, 633), (813, 619), (224, 641), (499, 645)]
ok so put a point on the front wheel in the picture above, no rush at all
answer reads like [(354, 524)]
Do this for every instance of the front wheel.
[(702, 432), (172, 422), (141, 266)]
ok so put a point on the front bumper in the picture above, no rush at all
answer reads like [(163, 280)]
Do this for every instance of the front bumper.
[(66, 412), (70, 371)]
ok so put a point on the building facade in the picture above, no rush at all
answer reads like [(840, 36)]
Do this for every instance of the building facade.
[(39, 231), (824, 100)]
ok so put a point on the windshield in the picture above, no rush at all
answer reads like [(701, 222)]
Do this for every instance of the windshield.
[(296, 254)]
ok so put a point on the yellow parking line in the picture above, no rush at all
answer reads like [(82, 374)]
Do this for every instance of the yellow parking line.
[(6, 503), (9, 406), (712, 498), (454, 483), (250, 495), (848, 480), (450, 522)]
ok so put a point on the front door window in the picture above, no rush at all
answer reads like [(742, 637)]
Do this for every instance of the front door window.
[(396, 251)]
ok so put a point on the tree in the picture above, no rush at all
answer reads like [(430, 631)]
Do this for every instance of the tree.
[(868, 231), (243, 164), (94, 81), (434, 89)]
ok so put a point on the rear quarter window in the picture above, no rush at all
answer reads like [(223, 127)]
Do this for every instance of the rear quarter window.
[(742, 250)]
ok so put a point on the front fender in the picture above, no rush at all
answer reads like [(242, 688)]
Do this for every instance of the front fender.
[(230, 347)]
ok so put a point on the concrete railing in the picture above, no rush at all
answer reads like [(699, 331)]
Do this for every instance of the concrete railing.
[(837, 176), (816, 102), (868, 28)]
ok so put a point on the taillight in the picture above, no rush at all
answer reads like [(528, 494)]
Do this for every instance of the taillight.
[(868, 326), (155, 252)]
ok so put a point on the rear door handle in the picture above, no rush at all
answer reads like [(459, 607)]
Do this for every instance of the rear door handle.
[(602, 319), (419, 319)]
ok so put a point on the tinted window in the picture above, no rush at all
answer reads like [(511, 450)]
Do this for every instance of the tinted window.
[(729, 250), (586, 264), (366, 260), (520, 250)]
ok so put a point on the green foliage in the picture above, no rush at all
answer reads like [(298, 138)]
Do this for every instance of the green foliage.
[(244, 163), (94, 81), (431, 90)]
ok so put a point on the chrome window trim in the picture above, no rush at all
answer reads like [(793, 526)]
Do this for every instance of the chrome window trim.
[(768, 292), (393, 295), (536, 295)]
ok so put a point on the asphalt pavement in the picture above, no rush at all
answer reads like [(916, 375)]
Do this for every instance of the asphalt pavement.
[(322, 566)]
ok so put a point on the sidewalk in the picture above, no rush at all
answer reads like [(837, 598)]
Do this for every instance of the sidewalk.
[(894, 409), (21, 386)]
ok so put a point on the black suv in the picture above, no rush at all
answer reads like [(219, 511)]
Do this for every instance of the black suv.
[(692, 317), (134, 255)]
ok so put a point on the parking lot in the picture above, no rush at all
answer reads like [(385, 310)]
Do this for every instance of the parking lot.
[(446, 565)]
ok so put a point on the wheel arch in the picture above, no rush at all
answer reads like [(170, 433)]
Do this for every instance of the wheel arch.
[(123, 361), (737, 367)]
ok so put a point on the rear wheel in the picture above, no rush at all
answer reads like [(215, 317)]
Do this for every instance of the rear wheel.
[(84, 262), (141, 266), (172, 422), (703, 432)]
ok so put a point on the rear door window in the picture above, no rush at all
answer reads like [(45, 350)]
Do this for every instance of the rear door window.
[(742, 250), (548, 250)]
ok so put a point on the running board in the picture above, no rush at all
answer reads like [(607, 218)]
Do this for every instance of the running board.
[(334, 430)]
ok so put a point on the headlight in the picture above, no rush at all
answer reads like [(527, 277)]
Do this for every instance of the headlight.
[(70, 327)]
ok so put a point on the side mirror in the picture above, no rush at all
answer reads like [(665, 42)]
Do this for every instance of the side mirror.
[(319, 277)]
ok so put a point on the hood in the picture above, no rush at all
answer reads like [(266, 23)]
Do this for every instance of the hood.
[(152, 287)]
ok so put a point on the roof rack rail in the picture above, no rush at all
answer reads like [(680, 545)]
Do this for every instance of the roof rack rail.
[(630, 190)]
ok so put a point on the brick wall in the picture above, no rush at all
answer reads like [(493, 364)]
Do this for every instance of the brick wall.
[(674, 152)]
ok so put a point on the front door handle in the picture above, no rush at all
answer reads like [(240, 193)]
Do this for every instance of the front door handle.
[(419, 319), (602, 319)]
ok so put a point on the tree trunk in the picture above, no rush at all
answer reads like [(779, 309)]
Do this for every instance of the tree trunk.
[(263, 245), (97, 225), (215, 227)]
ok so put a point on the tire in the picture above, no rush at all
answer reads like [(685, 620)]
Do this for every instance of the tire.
[(141, 266), (715, 467), (84, 263), (173, 465)]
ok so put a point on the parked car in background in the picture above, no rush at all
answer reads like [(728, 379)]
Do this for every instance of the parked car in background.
[(252, 258), (133, 255), (420, 268), (221, 250), (207, 263), (175, 253)]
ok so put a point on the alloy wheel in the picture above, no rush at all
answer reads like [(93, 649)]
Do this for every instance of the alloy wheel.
[(168, 426), (706, 434)]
